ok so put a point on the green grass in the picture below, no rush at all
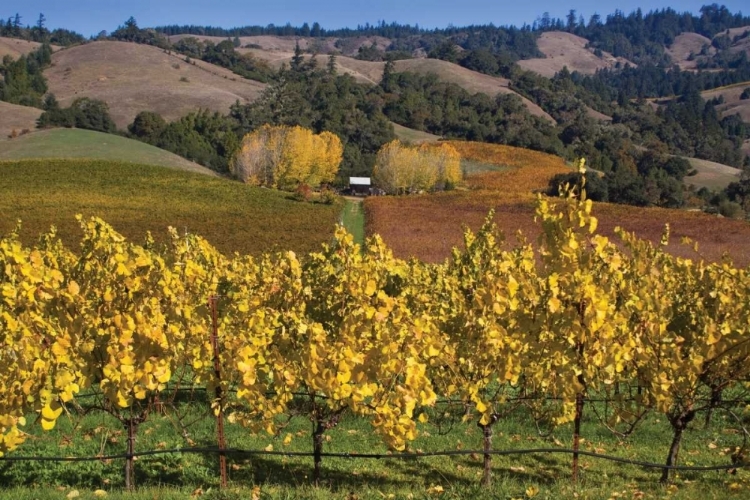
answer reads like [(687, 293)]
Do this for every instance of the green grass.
[(470, 167), (353, 219), (405, 134), (135, 199), (178, 475), (75, 143)]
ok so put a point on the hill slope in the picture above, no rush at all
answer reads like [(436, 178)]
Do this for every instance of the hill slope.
[(711, 175), (430, 225), (15, 47), (732, 103), (685, 44), (133, 78), (75, 143), (15, 117), (566, 49), (139, 198)]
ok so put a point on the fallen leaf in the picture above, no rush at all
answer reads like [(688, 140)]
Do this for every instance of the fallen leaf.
[(73, 494)]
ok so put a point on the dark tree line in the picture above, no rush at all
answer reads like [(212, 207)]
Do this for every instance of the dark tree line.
[(14, 27), (23, 81)]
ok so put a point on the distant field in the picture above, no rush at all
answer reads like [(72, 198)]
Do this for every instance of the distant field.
[(132, 78), (732, 105), (405, 134), (15, 117), (15, 47), (75, 143), (712, 175), (137, 198), (431, 225), (566, 49)]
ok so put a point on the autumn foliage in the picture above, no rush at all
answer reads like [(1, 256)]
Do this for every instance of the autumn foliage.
[(285, 157), (404, 169)]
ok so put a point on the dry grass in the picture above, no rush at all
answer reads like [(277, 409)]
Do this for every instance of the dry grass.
[(685, 44), (732, 104), (430, 226), (133, 78), (18, 118), (711, 174), (14, 47), (565, 49)]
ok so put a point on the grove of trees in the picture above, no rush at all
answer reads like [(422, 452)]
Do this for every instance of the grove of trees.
[(401, 169), (286, 157)]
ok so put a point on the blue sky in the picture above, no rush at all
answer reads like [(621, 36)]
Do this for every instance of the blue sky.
[(91, 16)]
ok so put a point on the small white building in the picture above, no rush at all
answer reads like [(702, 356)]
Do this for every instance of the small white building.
[(360, 185)]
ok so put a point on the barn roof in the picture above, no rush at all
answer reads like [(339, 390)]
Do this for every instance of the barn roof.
[(359, 181)]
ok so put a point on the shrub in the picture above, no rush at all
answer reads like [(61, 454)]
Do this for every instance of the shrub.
[(302, 193)]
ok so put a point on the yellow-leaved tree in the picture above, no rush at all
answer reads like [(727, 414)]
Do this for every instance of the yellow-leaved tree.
[(285, 157), (403, 169)]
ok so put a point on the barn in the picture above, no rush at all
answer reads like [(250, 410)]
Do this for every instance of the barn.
[(360, 185)]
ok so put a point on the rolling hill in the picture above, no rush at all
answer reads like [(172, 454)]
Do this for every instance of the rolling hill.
[(133, 78), (685, 44), (566, 49), (15, 47), (15, 117), (732, 103), (711, 175), (75, 143), (429, 226), (136, 198)]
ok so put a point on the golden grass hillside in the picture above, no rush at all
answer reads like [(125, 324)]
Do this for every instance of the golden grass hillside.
[(711, 174), (566, 49), (732, 105), (429, 226), (132, 78), (15, 117), (15, 47), (372, 72), (686, 43)]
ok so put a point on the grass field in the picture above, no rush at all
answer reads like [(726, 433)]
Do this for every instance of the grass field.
[(353, 219), (137, 198), (405, 134), (132, 78), (430, 226), (76, 143), (711, 175), (15, 117), (568, 50), (188, 422)]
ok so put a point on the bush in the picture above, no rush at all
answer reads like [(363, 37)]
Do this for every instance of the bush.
[(731, 210), (302, 193), (328, 196), (745, 94)]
